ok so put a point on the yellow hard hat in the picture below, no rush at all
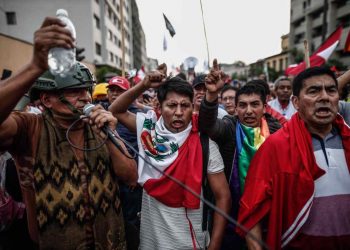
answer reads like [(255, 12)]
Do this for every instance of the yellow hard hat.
[(100, 89)]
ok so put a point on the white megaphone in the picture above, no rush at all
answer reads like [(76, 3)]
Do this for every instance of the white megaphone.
[(190, 62)]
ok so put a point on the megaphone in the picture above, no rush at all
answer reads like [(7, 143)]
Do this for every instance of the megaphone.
[(190, 62)]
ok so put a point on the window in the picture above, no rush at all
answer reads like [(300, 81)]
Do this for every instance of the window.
[(120, 62), (119, 24), (11, 18), (97, 1), (98, 48), (110, 13), (281, 64), (274, 64), (110, 35), (111, 56), (119, 44), (97, 22), (115, 19), (116, 58), (304, 5), (115, 39)]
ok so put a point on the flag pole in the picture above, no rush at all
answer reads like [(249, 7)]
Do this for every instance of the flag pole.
[(306, 54), (205, 34), (123, 36)]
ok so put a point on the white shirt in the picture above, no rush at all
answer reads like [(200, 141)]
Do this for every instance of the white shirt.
[(287, 112)]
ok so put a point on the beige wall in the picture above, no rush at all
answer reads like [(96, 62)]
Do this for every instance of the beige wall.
[(274, 62), (13, 53)]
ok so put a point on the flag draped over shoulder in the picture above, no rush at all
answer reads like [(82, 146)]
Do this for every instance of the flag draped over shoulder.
[(248, 142), (321, 55), (169, 26)]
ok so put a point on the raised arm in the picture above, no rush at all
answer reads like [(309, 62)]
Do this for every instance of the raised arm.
[(119, 107), (51, 34), (343, 80), (208, 112)]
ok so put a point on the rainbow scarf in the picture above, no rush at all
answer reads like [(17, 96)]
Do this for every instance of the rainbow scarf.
[(248, 141)]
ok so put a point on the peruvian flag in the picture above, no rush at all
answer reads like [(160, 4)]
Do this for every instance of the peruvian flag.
[(140, 75), (320, 56), (347, 44)]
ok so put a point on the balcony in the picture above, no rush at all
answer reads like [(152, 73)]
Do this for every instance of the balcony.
[(343, 11), (317, 21), (300, 29), (314, 7), (317, 41)]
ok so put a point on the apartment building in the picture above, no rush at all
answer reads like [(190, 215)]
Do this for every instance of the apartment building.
[(315, 20), (98, 25)]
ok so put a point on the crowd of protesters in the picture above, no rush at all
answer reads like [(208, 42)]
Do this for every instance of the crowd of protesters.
[(274, 158)]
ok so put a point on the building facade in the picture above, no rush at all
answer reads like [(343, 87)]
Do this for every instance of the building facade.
[(315, 20), (98, 26), (279, 62), (235, 70)]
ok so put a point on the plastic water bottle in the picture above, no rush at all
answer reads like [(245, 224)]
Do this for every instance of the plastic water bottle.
[(62, 60)]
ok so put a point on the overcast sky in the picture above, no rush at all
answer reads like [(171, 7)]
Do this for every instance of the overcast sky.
[(245, 30)]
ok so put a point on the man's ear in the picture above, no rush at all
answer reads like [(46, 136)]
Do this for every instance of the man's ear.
[(295, 101), (45, 99), (264, 109)]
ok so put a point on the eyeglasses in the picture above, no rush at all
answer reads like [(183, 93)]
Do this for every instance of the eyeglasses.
[(229, 98)]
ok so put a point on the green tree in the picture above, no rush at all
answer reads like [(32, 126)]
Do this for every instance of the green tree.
[(338, 64)]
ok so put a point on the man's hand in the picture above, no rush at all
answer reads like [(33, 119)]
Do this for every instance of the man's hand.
[(51, 34), (100, 117), (215, 79), (155, 79), (214, 82)]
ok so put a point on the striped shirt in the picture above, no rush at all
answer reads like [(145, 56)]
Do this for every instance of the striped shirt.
[(164, 227), (328, 224)]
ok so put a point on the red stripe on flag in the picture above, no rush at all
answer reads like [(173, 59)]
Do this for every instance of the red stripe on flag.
[(319, 57), (347, 44)]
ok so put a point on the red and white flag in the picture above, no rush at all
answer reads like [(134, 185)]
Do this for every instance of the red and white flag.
[(320, 56), (347, 44), (140, 75)]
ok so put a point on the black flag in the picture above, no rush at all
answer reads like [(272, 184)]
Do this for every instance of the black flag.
[(169, 26)]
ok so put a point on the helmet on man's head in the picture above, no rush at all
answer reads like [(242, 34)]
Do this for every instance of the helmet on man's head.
[(80, 77)]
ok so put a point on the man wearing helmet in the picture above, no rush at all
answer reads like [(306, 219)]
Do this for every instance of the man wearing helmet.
[(71, 195)]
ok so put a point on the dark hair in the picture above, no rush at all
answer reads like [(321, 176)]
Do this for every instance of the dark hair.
[(177, 85), (182, 75), (249, 89), (282, 78), (310, 72), (263, 84), (226, 88)]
